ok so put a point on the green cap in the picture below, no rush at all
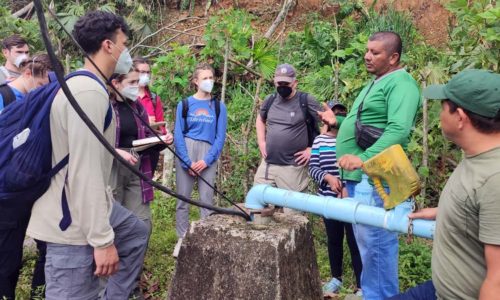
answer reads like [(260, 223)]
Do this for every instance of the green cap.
[(477, 91)]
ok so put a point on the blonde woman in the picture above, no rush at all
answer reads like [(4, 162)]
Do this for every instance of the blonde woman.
[(200, 131)]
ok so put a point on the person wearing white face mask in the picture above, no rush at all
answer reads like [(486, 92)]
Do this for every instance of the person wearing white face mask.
[(151, 102), (200, 132), (34, 73), (15, 49), (89, 235), (128, 189)]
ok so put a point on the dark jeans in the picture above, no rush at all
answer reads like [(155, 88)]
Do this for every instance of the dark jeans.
[(14, 218), (424, 291), (335, 234)]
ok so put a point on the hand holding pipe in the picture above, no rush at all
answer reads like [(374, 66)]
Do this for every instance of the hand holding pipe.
[(347, 209)]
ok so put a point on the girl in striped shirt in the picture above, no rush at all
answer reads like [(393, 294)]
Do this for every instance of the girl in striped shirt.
[(324, 171)]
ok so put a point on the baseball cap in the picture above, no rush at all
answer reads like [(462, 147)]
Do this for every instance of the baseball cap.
[(334, 103), (284, 72), (475, 90)]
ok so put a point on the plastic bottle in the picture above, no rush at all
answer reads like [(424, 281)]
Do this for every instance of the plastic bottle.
[(363, 191), (393, 168)]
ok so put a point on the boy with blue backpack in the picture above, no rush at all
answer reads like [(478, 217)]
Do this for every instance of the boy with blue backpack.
[(88, 234)]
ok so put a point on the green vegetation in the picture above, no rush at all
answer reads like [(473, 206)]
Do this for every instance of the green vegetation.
[(328, 55), (414, 261)]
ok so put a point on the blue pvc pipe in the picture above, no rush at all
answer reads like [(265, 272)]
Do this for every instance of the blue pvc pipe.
[(347, 209)]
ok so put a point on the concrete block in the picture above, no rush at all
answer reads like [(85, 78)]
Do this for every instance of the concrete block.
[(224, 257)]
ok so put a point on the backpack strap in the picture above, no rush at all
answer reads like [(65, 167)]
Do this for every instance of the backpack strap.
[(7, 94), (270, 101), (66, 218), (312, 127), (88, 74), (185, 108)]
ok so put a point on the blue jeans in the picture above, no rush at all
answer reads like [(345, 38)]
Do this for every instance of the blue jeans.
[(379, 255), (424, 291)]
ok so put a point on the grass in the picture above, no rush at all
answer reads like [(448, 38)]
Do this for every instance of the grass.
[(414, 259)]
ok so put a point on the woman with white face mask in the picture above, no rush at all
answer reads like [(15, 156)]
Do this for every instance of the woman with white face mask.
[(128, 189), (151, 102), (199, 139), (133, 193)]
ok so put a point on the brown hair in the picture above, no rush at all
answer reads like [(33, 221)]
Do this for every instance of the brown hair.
[(14, 40), (39, 65), (198, 68), (139, 60), (117, 77)]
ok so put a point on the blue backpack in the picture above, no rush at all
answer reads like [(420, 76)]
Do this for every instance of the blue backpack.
[(26, 146)]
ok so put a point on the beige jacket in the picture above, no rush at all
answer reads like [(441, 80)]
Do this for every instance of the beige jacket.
[(88, 171)]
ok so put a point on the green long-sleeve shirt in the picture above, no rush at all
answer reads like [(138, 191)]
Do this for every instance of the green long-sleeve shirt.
[(392, 104)]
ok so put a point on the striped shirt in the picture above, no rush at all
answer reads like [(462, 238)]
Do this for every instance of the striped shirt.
[(323, 161)]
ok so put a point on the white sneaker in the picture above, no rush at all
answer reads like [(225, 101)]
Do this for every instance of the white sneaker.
[(177, 248)]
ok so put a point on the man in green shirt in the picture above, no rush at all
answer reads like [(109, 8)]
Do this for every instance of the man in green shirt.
[(466, 250), (389, 102)]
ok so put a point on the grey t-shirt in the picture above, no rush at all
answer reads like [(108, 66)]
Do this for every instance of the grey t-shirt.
[(468, 217), (286, 130)]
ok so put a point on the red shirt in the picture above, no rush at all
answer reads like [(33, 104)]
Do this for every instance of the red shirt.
[(153, 108)]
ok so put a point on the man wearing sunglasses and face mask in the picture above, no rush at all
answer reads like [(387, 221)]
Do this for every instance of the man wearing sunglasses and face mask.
[(286, 127)]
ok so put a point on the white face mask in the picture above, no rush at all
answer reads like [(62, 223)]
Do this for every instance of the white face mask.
[(144, 79), (123, 63), (207, 85), (130, 92), (19, 59)]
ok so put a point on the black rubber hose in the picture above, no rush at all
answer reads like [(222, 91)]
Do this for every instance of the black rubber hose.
[(60, 78), (140, 118)]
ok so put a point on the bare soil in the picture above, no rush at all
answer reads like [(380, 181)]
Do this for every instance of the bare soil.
[(430, 16)]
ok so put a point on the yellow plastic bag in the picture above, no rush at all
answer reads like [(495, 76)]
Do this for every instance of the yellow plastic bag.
[(393, 166)]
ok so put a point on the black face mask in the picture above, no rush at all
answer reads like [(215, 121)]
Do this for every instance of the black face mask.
[(284, 91)]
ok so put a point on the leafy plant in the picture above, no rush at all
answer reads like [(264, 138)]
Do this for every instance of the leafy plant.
[(26, 28), (392, 20), (233, 27), (172, 75), (475, 39)]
